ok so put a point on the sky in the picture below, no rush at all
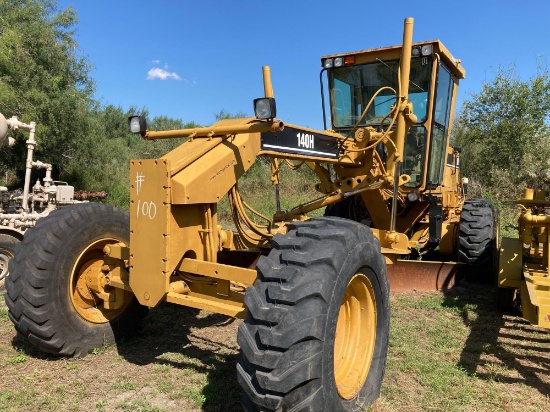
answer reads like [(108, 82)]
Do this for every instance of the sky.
[(190, 59)]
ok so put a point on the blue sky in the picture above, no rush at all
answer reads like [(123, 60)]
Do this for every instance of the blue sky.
[(189, 59)]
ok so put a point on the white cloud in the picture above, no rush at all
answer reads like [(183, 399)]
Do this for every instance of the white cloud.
[(162, 74), (155, 61)]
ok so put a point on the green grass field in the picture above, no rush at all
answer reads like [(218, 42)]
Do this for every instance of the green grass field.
[(448, 352)]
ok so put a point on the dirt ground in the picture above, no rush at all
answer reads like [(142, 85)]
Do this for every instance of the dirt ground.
[(447, 352)]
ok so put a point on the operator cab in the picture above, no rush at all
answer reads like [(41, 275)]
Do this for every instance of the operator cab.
[(354, 79)]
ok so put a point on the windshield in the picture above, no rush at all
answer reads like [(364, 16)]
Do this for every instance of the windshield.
[(351, 88)]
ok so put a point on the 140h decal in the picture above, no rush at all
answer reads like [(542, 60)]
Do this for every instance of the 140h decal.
[(306, 141), (301, 142)]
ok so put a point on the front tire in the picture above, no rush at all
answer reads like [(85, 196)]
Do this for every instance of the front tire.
[(47, 296), (316, 335)]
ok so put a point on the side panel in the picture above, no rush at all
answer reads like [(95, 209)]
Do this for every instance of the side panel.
[(172, 216), (208, 178), (149, 229), (510, 263)]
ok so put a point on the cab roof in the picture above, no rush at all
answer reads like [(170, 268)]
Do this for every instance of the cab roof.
[(394, 52)]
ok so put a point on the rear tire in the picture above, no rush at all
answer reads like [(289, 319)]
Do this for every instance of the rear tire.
[(45, 289), (316, 334), (7, 250), (478, 240)]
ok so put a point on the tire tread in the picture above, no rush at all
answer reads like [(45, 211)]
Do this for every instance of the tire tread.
[(282, 338)]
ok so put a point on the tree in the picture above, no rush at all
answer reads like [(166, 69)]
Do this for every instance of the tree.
[(505, 135), (43, 79), (102, 161), (224, 114)]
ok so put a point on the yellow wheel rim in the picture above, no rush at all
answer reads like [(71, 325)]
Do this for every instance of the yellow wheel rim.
[(86, 301), (355, 337)]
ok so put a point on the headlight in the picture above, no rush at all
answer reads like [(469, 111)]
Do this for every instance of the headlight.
[(328, 63), (265, 108), (427, 49), (413, 196), (137, 124), (338, 62), (416, 51)]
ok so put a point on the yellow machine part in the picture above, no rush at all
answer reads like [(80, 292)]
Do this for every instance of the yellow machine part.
[(532, 280), (421, 275), (535, 296), (510, 263)]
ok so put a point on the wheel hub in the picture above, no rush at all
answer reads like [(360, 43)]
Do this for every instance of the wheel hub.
[(355, 337), (91, 295), (4, 260)]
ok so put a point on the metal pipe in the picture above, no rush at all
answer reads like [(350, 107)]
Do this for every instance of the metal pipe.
[(535, 220), (275, 180), (395, 199), (268, 87), (329, 200), (317, 204), (48, 179), (31, 143), (323, 99), (401, 104), (14, 123), (277, 198), (221, 130), (405, 62), (41, 165), (27, 215)]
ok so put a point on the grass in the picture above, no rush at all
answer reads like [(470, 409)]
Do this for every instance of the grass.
[(296, 187), (20, 358), (454, 352), (448, 352)]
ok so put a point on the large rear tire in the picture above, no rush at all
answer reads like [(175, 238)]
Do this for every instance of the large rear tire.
[(47, 297), (478, 240), (316, 334)]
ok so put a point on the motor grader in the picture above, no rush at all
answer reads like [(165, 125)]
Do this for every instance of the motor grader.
[(523, 277), (313, 292)]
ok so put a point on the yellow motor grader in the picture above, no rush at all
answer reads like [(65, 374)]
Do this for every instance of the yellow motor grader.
[(523, 277), (313, 292)]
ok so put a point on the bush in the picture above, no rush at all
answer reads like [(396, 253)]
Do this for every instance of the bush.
[(505, 136)]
